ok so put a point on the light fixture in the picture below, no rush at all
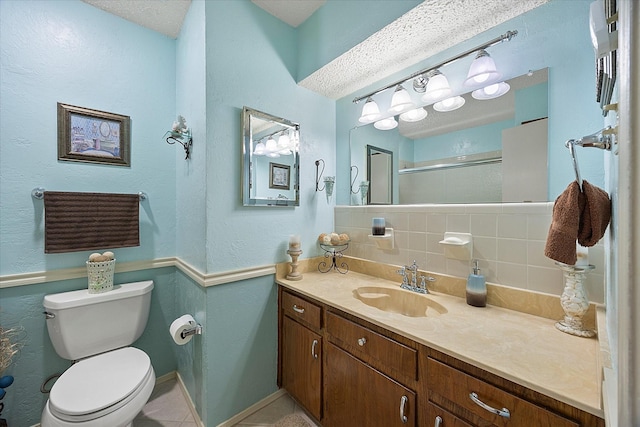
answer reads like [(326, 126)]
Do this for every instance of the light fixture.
[(329, 181), (492, 91), (260, 149), (401, 101), (283, 140), (370, 112), (482, 71), (434, 86), (449, 104), (386, 124), (414, 115), (437, 87)]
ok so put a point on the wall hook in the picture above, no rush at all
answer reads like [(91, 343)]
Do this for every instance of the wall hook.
[(181, 134)]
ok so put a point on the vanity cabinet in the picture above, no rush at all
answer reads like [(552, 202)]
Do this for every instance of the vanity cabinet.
[(362, 372), (346, 371), (301, 352)]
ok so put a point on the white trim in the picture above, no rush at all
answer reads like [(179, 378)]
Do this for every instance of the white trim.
[(253, 408), (202, 279), (187, 397)]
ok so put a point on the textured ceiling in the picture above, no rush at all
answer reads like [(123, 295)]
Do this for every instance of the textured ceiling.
[(163, 16), (427, 29), (293, 12)]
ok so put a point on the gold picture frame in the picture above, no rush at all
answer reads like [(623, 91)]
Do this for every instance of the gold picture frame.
[(93, 136)]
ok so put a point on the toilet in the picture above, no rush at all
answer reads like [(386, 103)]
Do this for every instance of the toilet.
[(109, 382)]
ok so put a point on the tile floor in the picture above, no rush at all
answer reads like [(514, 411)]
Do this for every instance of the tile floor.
[(167, 407)]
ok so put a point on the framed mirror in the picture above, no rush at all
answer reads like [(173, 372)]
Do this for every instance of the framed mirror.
[(270, 160)]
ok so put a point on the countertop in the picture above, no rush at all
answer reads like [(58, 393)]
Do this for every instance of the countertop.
[(523, 348)]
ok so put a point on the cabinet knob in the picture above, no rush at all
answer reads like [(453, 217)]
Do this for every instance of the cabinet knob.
[(298, 309), (362, 341), (403, 405), (504, 412)]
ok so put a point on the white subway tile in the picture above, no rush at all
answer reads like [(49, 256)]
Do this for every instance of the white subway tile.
[(512, 226), (512, 251), (483, 225)]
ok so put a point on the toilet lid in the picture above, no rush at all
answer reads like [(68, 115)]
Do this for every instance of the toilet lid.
[(98, 382)]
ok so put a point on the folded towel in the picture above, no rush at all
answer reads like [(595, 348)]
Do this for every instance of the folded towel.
[(87, 221), (595, 216), (565, 223)]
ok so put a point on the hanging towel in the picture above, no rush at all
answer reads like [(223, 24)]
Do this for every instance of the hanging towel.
[(565, 223), (595, 216), (86, 221)]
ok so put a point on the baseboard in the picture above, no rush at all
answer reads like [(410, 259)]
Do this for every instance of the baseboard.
[(187, 397), (253, 408)]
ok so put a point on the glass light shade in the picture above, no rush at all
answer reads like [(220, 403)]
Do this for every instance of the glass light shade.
[(273, 155), (437, 88), (259, 150), (401, 101), (386, 124), (283, 141), (482, 71), (364, 189), (449, 104), (414, 115), (271, 145), (370, 112), (492, 91), (329, 182), (420, 84)]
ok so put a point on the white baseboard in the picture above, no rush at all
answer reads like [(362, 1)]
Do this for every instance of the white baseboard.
[(187, 397), (253, 408)]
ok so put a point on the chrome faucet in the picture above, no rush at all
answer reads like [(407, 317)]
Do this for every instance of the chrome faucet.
[(413, 269), (405, 281)]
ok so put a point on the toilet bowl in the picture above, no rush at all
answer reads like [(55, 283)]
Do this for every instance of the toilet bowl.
[(110, 382), (107, 390)]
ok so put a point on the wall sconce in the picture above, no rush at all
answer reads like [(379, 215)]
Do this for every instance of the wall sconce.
[(483, 76), (329, 181), (181, 134), (363, 188)]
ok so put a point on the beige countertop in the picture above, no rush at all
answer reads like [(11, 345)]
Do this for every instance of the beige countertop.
[(520, 347)]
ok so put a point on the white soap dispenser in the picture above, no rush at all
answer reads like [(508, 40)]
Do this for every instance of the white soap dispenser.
[(476, 287)]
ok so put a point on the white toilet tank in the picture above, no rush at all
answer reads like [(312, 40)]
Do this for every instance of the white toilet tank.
[(81, 324)]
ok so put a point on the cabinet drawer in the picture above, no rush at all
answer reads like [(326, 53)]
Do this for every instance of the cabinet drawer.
[(456, 386), (300, 309), (361, 341), (438, 417)]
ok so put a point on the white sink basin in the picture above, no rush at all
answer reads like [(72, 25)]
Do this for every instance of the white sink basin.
[(399, 301)]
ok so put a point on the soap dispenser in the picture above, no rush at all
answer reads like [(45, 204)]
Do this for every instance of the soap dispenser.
[(476, 287)]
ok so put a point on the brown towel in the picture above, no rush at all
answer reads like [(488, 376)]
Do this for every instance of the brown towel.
[(565, 222), (87, 221), (595, 216)]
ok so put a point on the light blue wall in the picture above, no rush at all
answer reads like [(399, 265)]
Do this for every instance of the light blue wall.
[(70, 52), (554, 35)]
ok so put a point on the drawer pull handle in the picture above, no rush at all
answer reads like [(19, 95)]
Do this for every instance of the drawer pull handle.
[(362, 341), (438, 422), (298, 309), (403, 404), (313, 349), (504, 412)]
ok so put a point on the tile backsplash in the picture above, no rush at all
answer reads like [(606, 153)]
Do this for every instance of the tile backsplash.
[(508, 242)]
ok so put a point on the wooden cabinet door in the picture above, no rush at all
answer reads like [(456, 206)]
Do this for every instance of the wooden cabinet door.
[(302, 365), (358, 395)]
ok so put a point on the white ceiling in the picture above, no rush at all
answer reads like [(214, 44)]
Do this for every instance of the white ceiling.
[(429, 28)]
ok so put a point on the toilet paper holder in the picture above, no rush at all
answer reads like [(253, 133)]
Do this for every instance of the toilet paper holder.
[(195, 330)]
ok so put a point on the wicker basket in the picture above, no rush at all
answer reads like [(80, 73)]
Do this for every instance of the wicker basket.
[(100, 276)]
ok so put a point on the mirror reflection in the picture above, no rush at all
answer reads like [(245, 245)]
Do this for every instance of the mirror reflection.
[(487, 151), (380, 176), (270, 161)]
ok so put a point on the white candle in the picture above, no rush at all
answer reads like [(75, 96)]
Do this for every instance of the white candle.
[(583, 255), (294, 242)]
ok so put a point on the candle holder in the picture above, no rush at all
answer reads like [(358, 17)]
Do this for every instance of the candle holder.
[(574, 300), (294, 274)]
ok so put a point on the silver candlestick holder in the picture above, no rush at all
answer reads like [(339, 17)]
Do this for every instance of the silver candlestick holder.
[(294, 274), (574, 300)]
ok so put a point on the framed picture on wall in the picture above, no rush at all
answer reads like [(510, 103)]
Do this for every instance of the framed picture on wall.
[(92, 136), (279, 176)]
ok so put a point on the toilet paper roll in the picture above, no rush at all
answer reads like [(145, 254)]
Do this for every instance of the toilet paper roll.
[(182, 323)]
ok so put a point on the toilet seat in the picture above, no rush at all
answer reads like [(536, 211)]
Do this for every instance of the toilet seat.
[(98, 385)]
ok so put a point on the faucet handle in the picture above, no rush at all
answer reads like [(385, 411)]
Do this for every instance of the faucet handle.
[(402, 271)]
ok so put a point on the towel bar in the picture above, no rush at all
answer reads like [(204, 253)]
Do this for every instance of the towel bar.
[(38, 193), (602, 139)]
